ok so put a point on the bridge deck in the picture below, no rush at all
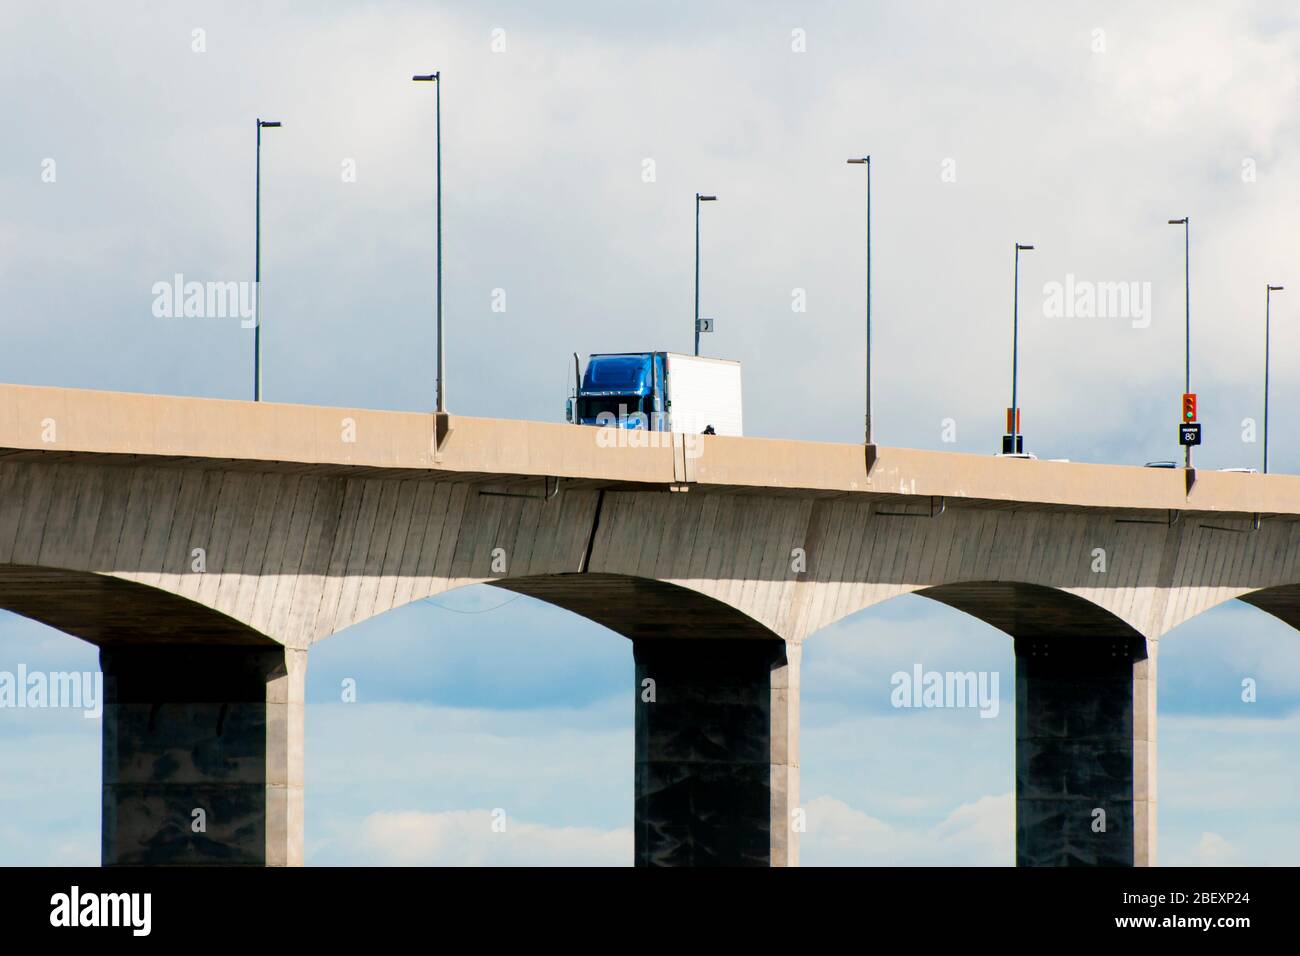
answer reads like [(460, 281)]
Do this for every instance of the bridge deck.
[(50, 424)]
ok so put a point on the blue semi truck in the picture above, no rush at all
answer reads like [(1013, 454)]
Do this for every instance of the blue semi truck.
[(658, 391)]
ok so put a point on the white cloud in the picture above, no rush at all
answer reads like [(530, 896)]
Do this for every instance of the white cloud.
[(467, 838), (1214, 850), (981, 833)]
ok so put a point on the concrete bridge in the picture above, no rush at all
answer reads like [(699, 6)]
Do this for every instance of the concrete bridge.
[(206, 545)]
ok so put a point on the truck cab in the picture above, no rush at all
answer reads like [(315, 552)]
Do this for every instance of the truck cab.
[(624, 390)]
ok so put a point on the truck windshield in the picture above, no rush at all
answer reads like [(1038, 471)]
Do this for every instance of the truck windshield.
[(620, 406)]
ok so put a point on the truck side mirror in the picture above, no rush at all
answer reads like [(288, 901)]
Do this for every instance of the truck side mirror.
[(568, 410)]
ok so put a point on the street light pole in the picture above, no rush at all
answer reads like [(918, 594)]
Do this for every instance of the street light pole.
[(257, 263), (1268, 294), (866, 161), (699, 198), (1186, 223), (1015, 348), (440, 386)]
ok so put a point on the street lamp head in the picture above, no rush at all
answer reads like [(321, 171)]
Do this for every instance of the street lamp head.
[(1275, 288), (1023, 246), (859, 162), (1178, 222), (702, 198), (426, 77), (269, 124)]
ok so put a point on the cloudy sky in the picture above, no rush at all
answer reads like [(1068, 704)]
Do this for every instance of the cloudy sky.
[(574, 138)]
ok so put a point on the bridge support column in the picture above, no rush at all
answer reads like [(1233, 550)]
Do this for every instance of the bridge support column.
[(717, 752), (1085, 751), (202, 755)]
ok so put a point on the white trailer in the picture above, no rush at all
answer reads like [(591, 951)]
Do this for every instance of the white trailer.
[(703, 392)]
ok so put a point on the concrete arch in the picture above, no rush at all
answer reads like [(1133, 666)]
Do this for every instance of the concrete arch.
[(1024, 610), (641, 608), (862, 552), (110, 611), (1282, 601), (1019, 609)]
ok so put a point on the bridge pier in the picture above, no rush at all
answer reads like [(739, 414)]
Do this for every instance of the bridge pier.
[(1085, 751), (202, 755), (717, 752)]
